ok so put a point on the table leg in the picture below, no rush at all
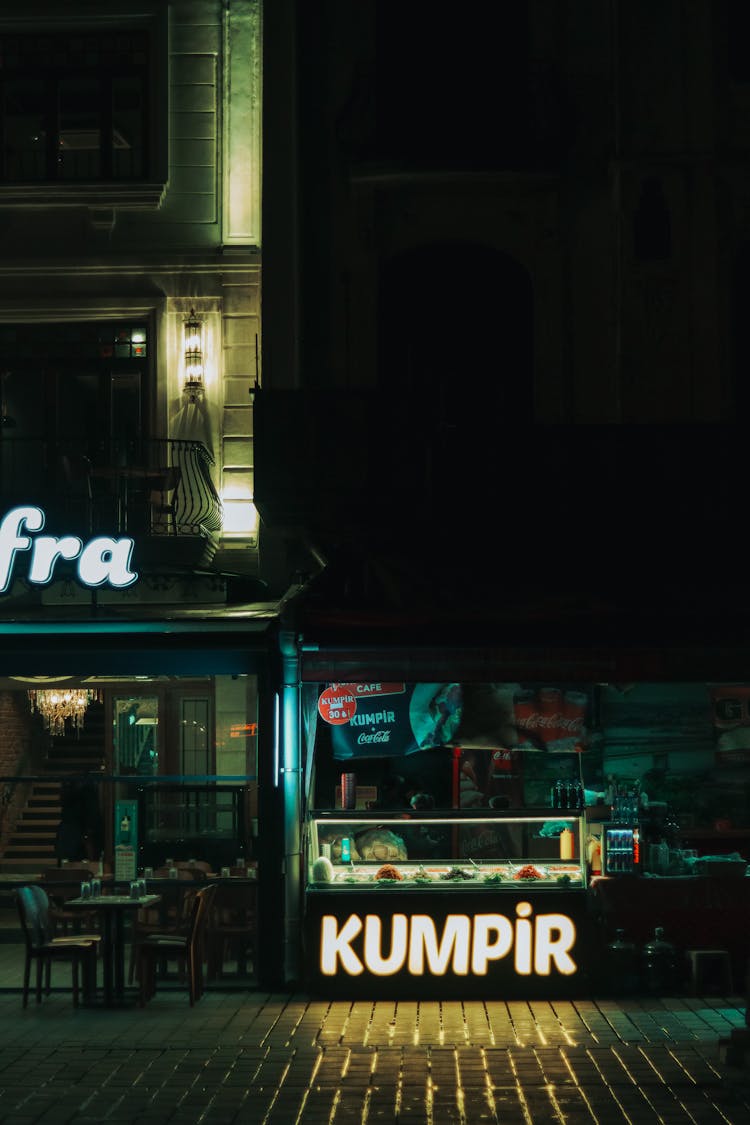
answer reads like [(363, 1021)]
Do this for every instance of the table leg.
[(107, 958), (119, 953)]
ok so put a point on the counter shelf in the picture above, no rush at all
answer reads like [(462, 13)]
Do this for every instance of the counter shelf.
[(467, 849)]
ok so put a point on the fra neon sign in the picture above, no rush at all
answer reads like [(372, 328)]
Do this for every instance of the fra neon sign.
[(100, 561), (466, 945)]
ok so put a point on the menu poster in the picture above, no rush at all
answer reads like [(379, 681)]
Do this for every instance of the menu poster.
[(126, 840)]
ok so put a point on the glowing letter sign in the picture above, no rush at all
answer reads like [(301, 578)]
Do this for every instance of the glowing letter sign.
[(466, 944), (100, 560)]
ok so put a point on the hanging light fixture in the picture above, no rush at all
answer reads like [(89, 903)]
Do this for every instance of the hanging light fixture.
[(60, 706), (193, 336)]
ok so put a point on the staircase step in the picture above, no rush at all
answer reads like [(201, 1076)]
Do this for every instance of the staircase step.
[(23, 866), (28, 851), (32, 842)]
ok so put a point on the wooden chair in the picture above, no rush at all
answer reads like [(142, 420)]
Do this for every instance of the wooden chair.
[(197, 866), (162, 497), (43, 948), (62, 883), (232, 927), (186, 948), (171, 916)]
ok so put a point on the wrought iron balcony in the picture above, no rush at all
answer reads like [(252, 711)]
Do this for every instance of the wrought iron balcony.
[(153, 488)]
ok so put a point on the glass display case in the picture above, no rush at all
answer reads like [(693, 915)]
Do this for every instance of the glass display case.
[(363, 849)]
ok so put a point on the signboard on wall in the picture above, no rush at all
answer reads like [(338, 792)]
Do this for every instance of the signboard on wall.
[(423, 944), (102, 561), (395, 719)]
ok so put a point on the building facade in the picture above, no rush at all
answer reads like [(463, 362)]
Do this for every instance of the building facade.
[(505, 368), (130, 271)]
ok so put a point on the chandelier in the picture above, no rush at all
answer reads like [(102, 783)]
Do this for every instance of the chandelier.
[(58, 706)]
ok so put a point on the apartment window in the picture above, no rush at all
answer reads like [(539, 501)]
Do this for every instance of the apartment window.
[(84, 383), (75, 106)]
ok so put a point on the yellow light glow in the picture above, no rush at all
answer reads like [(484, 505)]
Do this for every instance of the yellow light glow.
[(240, 517), (393, 961), (454, 945)]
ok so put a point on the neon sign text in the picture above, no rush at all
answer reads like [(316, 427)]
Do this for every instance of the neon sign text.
[(467, 944), (101, 560)]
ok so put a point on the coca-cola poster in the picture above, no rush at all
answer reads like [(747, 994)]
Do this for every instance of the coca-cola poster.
[(380, 720), (551, 718), (394, 719), (731, 716)]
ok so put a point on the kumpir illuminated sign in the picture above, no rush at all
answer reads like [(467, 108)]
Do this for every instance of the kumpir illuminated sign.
[(100, 561), (466, 944)]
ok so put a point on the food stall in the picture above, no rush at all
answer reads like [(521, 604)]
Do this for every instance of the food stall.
[(472, 839), (426, 874), (399, 905)]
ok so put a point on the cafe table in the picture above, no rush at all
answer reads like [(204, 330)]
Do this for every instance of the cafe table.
[(112, 909)]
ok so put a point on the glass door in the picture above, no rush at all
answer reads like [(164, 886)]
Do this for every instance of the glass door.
[(136, 735)]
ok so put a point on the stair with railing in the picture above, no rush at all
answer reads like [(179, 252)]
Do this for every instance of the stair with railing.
[(31, 844)]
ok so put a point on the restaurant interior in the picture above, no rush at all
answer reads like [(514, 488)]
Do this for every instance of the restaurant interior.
[(142, 789)]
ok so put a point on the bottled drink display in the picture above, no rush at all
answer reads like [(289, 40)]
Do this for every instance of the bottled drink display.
[(622, 850), (567, 795)]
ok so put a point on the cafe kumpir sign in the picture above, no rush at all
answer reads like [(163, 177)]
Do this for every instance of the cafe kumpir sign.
[(99, 562), (393, 719)]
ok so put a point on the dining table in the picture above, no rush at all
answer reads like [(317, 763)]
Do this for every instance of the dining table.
[(112, 910)]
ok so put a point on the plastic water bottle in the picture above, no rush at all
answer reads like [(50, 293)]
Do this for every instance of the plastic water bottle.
[(659, 964), (622, 966)]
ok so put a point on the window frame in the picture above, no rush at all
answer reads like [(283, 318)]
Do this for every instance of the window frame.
[(147, 193)]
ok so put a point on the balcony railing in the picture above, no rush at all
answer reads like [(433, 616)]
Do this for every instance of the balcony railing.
[(156, 486)]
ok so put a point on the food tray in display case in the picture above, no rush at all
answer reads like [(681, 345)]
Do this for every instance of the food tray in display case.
[(366, 850)]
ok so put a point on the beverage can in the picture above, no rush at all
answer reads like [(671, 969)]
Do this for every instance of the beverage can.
[(348, 790)]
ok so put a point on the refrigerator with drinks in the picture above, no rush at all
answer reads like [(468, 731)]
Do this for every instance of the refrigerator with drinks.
[(621, 849)]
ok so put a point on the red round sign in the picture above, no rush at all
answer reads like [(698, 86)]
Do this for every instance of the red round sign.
[(336, 705)]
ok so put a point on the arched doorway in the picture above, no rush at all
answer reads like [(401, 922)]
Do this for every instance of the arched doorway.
[(456, 332)]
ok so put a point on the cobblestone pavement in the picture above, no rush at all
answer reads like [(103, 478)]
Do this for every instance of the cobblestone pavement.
[(250, 1057)]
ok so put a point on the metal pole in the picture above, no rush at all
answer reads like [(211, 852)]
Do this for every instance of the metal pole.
[(290, 764)]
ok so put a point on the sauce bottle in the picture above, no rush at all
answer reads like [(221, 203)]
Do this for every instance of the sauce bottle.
[(567, 845)]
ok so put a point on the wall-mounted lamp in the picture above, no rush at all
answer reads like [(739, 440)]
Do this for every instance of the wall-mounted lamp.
[(193, 335)]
